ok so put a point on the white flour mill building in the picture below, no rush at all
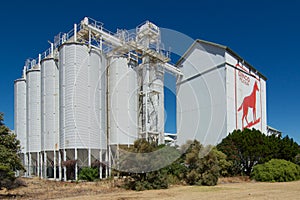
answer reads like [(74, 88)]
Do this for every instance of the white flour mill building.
[(218, 93)]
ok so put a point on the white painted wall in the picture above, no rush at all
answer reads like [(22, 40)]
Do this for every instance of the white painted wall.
[(201, 96), (208, 97), (240, 83)]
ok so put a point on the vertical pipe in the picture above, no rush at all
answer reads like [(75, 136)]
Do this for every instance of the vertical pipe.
[(107, 119), (40, 58), (101, 43), (52, 49), (75, 32), (24, 72), (90, 39)]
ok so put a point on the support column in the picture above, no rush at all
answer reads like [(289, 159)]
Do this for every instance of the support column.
[(89, 157), (26, 164), (45, 165), (37, 164), (100, 167), (54, 165), (76, 165), (107, 163), (29, 164), (59, 166), (65, 168)]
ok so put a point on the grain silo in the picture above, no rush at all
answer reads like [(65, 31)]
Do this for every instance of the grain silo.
[(81, 131), (97, 91), (49, 116), (123, 96), (20, 113), (33, 90)]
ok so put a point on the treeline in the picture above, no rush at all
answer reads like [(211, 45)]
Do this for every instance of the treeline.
[(247, 148), (247, 152), (147, 165)]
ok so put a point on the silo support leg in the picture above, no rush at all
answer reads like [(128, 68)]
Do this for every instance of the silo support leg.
[(29, 164), (76, 165), (45, 165), (37, 164), (59, 166), (54, 164), (100, 167), (65, 168), (89, 157)]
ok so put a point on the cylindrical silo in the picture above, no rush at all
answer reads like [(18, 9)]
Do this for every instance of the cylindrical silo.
[(33, 90), (122, 102), (82, 96), (49, 116), (20, 114)]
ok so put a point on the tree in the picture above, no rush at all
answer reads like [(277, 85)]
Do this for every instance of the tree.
[(202, 164), (141, 165), (247, 148), (9, 156), (288, 149)]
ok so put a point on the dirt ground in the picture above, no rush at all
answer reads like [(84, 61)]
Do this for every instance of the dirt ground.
[(226, 189)]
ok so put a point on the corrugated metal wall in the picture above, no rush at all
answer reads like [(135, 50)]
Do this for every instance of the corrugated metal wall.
[(20, 112), (123, 97), (80, 85), (33, 82), (49, 105)]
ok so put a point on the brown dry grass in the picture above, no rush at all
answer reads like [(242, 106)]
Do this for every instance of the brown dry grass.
[(229, 188)]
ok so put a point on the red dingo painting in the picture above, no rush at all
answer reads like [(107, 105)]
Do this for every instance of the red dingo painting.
[(249, 102)]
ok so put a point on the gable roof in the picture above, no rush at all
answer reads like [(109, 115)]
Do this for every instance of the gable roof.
[(225, 48)]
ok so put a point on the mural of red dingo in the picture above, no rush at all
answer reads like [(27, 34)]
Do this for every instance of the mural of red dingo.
[(249, 102)]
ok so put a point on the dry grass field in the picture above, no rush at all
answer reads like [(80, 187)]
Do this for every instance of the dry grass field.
[(226, 189)]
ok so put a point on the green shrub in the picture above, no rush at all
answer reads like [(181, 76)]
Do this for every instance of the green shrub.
[(88, 174), (297, 159), (202, 165), (147, 181), (276, 170), (7, 177)]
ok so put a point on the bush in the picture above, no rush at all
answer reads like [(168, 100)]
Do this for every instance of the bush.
[(276, 170), (147, 181), (297, 159), (247, 148), (88, 174), (202, 165), (7, 177)]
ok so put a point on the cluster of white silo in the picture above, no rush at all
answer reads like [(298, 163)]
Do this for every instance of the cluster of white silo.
[(91, 91)]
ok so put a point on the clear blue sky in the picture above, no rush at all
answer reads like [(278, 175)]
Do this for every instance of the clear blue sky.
[(266, 33)]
